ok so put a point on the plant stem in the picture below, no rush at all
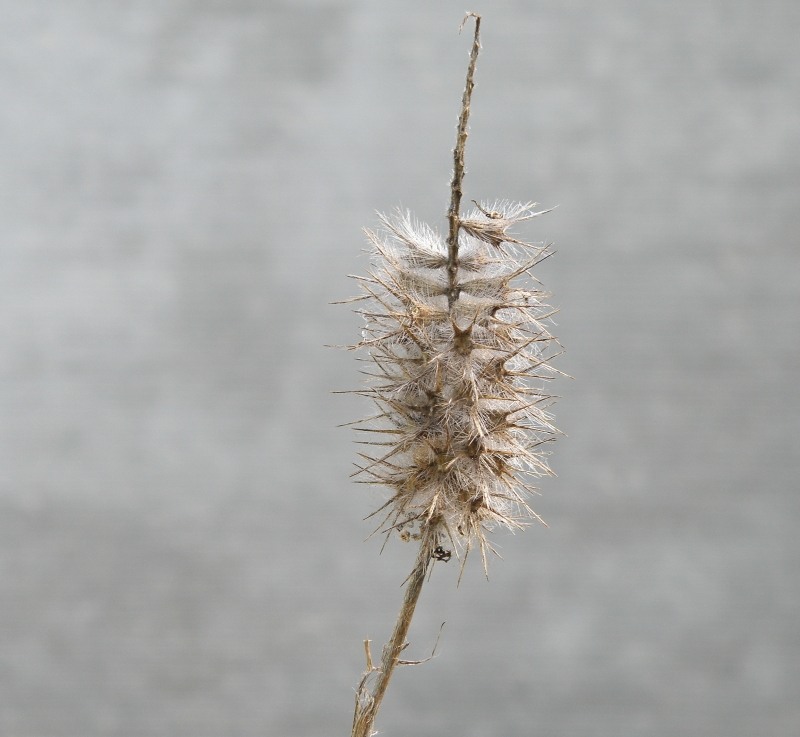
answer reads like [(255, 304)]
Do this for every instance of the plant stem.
[(368, 702), (454, 213)]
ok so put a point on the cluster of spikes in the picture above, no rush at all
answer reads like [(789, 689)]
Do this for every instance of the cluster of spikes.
[(458, 354)]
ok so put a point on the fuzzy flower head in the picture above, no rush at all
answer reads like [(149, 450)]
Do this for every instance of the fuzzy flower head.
[(458, 352)]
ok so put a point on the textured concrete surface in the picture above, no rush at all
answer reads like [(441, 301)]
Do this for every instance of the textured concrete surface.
[(181, 192)]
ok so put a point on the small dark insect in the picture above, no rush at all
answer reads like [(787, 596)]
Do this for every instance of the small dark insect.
[(441, 554)]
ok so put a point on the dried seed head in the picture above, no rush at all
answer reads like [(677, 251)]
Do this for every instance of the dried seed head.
[(459, 356)]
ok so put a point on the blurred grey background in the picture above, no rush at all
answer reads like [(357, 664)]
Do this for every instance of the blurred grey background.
[(182, 188)]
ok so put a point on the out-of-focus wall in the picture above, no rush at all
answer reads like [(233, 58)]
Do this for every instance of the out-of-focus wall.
[(182, 188)]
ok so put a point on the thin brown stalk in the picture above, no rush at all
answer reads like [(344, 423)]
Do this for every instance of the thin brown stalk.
[(368, 700), (454, 213)]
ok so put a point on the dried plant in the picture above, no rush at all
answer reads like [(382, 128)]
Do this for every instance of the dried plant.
[(457, 350)]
